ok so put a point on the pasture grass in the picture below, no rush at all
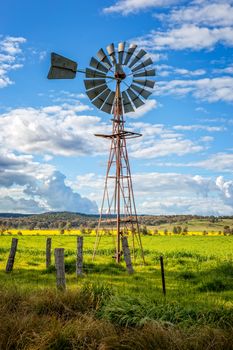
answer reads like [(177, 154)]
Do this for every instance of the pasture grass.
[(106, 301)]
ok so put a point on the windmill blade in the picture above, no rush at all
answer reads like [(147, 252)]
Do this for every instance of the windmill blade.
[(59, 73), (144, 64), (108, 105), (145, 82), (127, 105), (93, 93), (138, 56), (97, 65), (104, 58), (62, 67), (99, 101), (145, 73), (111, 52), (142, 92), (91, 73), (129, 53), (121, 48), (90, 84), (136, 100)]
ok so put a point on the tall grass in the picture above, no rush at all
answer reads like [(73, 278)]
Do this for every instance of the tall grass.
[(83, 319), (107, 308)]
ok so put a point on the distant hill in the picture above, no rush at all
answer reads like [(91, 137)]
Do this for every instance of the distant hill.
[(74, 220)]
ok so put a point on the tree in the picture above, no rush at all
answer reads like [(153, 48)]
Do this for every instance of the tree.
[(175, 231), (179, 230), (226, 230), (144, 230)]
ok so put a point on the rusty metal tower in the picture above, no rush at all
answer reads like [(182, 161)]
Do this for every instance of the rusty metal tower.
[(127, 70)]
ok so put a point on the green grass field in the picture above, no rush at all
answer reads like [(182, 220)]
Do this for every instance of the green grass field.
[(198, 270)]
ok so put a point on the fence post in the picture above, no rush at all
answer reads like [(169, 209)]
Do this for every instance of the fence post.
[(11, 259), (48, 252), (79, 262), (60, 268), (126, 253), (162, 274)]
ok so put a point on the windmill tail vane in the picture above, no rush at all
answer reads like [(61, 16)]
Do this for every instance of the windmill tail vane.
[(128, 68)]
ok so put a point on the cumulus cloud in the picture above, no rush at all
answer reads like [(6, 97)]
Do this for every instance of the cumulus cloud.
[(60, 130), (21, 205), (56, 130), (205, 13), (159, 141), (207, 89), (29, 186), (169, 193), (188, 36), (57, 196), (126, 7), (10, 54), (226, 188)]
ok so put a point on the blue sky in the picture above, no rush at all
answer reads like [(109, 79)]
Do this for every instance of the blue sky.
[(50, 159)]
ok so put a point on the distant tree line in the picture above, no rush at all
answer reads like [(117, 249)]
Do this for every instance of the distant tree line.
[(68, 221)]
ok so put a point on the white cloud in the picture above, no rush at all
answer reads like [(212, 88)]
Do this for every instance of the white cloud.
[(159, 141), (21, 205), (11, 45), (226, 70), (188, 36), (54, 130), (147, 107), (211, 90), (207, 139), (219, 162), (131, 6), (206, 13), (10, 52), (165, 70), (201, 109), (60, 130), (226, 187), (199, 127), (57, 196), (171, 146), (29, 186), (158, 193)]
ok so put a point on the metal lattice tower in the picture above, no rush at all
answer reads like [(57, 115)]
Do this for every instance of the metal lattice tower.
[(125, 68)]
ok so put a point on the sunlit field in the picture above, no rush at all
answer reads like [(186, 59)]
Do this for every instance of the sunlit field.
[(198, 272)]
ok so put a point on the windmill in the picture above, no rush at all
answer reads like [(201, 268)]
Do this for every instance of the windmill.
[(117, 83)]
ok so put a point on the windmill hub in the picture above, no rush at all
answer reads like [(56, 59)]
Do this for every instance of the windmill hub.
[(119, 73)]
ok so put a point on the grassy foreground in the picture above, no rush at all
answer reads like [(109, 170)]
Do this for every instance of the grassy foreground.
[(107, 309)]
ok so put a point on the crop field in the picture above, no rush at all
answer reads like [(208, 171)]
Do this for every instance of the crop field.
[(199, 285)]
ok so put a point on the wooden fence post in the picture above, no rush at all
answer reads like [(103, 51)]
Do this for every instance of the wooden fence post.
[(48, 252), (60, 268), (79, 262), (11, 259), (162, 274), (126, 253)]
